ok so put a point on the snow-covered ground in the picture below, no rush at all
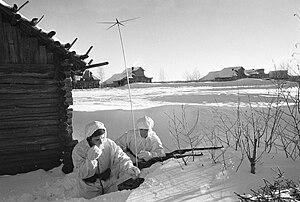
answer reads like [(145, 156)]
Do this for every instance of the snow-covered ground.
[(200, 180)]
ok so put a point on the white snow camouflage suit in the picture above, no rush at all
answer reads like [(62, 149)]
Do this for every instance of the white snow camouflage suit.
[(151, 143), (111, 157)]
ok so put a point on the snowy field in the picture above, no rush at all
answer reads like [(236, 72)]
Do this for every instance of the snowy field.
[(200, 180)]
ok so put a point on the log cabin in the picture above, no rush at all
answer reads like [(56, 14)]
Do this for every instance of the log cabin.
[(36, 74)]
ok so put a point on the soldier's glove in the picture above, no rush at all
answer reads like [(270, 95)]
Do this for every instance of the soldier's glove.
[(93, 154), (134, 172), (145, 155)]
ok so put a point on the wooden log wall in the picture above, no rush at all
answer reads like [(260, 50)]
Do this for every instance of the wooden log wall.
[(35, 93)]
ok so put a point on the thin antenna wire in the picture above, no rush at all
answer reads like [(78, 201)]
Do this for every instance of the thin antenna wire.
[(118, 23)]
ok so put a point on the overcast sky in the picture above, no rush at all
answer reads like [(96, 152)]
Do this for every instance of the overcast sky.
[(175, 36)]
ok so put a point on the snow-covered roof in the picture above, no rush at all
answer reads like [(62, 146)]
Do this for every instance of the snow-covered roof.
[(120, 76), (224, 73), (250, 72)]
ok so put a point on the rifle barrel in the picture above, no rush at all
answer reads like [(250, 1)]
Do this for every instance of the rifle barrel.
[(182, 151), (146, 164)]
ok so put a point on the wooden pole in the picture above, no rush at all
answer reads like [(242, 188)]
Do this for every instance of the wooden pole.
[(97, 65)]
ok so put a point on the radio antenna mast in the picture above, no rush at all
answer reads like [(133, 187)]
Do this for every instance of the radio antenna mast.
[(113, 24)]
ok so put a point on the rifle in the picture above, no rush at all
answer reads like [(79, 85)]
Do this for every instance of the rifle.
[(179, 153), (182, 151)]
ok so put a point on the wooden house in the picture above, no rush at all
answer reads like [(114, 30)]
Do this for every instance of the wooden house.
[(226, 74), (135, 74), (255, 73), (87, 80), (35, 95), (279, 74)]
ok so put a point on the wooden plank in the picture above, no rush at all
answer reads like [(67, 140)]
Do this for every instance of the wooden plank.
[(36, 106), (21, 149), (36, 95), (27, 51), (19, 79), (30, 65), (49, 57), (29, 141), (2, 50), (13, 116), (32, 155), (29, 117), (11, 73), (20, 37), (30, 131), (9, 36), (33, 49), (28, 68), (30, 158), (19, 88), (5, 43), (16, 58), (24, 124), (43, 55)]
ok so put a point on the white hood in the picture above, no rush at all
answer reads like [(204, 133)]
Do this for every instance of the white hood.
[(92, 127), (145, 123)]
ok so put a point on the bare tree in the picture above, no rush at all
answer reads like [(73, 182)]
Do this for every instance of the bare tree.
[(288, 96), (193, 76), (162, 74), (101, 74)]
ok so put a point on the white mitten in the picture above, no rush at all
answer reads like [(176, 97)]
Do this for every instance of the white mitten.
[(134, 171), (145, 155), (94, 153)]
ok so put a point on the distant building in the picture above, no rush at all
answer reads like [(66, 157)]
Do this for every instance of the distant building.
[(255, 73), (226, 74), (87, 80), (135, 74), (279, 74)]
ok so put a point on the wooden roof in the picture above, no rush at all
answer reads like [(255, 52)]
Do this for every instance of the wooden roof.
[(123, 75), (227, 72), (30, 27)]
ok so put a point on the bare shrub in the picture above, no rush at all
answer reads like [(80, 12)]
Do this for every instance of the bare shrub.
[(282, 189), (182, 132), (290, 135), (252, 131), (184, 129)]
